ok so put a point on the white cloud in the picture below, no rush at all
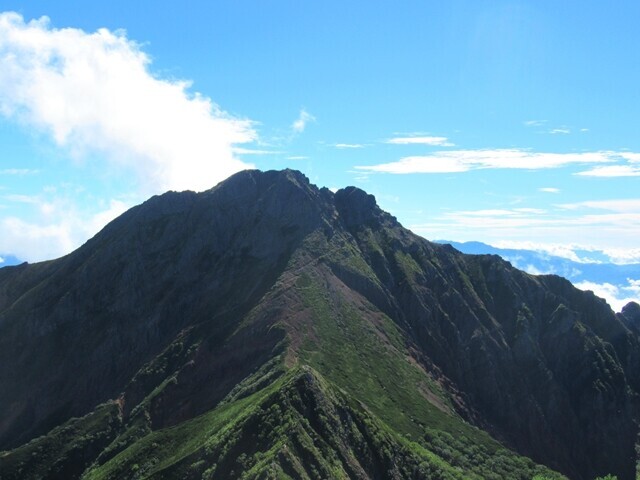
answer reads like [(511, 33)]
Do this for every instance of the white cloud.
[(99, 220), (532, 269), (1, 260), (516, 212), (537, 211), (422, 164), (18, 171), (630, 169), (615, 231), (561, 131), (35, 242), (21, 198), (61, 228), (572, 251), (534, 123), (634, 286), (301, 122), (504, 220), (348, 145), (93, 92), (465, 160), (627, 205), (617, 296), (549, 190), (297, 157), (427, 140), (631, 156), (252, 151), (623, 256), (557, 250), (576, 252), (612, 171)]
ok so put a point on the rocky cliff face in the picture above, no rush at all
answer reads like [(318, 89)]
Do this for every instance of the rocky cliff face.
[(192, 315)]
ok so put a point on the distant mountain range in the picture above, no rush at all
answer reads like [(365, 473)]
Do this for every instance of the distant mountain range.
[(625, 279), (267, 328)]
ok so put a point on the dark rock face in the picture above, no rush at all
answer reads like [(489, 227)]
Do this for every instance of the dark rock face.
[(630, 316), (171, 307)]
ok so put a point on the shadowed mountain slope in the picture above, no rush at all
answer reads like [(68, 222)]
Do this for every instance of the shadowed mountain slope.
[(270, 329)]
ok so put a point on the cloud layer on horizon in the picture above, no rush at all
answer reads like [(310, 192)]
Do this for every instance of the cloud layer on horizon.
[(617, 219)]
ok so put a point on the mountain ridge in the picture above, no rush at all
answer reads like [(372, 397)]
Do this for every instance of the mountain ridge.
[(585, 275), (190, 302)]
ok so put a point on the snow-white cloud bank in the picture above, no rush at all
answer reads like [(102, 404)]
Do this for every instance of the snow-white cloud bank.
[(576, 252), (94, 93)]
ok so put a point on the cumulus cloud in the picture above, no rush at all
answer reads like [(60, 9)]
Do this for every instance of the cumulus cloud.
[(94, 92), (301, 122), (425, 140), (60, 228), (623, 256), (465, 160), (612, 171), (549, 190)]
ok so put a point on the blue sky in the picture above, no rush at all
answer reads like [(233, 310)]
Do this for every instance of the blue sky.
[(509, 122)]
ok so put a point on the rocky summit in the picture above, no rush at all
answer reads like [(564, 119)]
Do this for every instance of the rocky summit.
[(269, 329)]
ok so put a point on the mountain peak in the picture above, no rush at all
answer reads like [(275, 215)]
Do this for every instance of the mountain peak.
[(358, 197), (359, 208), (631, 315), (267, 178)]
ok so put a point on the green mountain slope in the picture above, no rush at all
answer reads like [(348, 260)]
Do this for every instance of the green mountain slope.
[(300, 426)]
